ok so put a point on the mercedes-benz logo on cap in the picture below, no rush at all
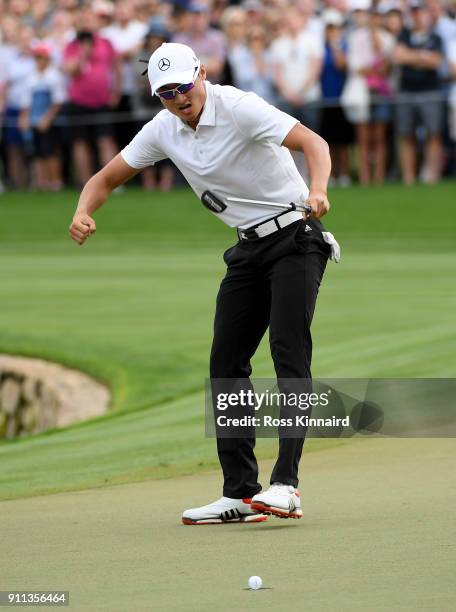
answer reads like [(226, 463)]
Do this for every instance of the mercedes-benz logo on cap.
[(164, 63)]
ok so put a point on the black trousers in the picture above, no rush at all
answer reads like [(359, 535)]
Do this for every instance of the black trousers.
[(270, 282)]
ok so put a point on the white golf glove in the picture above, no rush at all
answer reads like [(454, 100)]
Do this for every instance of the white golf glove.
[(335, 248)]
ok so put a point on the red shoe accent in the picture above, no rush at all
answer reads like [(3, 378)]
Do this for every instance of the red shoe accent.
[(298, 494), (247, 500), (261, 507)]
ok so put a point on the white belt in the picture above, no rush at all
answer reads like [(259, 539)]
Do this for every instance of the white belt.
[(271, 226)]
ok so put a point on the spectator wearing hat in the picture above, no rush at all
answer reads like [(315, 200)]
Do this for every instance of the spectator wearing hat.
[(42, 98), (254, 10), (95, 73), (335, 128), (419, 55), (209, 44)]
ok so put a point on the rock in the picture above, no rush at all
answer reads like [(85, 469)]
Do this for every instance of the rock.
[(3, 419), (10, 396), (11, 428), (29, 416), (30, 390), (49, 395), (49, 406)]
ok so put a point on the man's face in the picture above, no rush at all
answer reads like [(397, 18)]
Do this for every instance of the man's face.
[(42, 62), (421, 18), (199, 22), (123, 13), (189, 106), (86, 20)]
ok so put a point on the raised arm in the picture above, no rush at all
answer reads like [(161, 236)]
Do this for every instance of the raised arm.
[(316, 152), (96, 191)]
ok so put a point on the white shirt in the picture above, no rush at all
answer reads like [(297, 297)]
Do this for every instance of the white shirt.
[(294, 56), (17, 72), (50, 80), (234, 151), (124, 40)]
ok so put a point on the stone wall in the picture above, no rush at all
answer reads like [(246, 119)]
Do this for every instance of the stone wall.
[(36, 395)]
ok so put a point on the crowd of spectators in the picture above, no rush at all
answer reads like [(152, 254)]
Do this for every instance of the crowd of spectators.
[(376, 79)]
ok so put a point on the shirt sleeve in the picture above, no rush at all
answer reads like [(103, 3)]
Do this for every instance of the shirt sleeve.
[(144, 150), (258, 120)]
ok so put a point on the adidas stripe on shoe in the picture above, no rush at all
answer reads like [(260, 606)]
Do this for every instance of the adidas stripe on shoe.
[(224, 510)]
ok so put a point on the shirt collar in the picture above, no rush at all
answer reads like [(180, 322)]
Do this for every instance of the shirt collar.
[(208, 114)]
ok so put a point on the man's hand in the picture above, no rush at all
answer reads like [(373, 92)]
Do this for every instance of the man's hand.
[(114, 99), (24, 122), (292, 97), (316, 152), (44, 124), (319, 202), (82, 227)]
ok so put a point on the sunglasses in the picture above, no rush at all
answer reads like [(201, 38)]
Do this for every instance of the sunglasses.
[(170, 94)]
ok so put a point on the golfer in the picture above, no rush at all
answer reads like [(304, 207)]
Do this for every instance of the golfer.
[(234, 144)]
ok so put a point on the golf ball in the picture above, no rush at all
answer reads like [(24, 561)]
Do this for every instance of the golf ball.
[(255, 583)]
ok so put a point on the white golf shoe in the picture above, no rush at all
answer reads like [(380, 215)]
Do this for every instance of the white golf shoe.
[(224, 510), (280, 499)]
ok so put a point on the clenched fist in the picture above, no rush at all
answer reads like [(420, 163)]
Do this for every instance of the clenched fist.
[(318, 200), (82, 227)]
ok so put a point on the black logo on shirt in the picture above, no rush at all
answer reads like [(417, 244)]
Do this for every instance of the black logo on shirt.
[(164, 63)]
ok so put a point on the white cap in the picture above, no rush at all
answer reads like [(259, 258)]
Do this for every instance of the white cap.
[(359, 5), (385, 6), (172, 63), (332, 17)]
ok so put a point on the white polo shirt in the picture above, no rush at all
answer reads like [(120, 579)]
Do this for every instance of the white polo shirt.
[(234, 151)]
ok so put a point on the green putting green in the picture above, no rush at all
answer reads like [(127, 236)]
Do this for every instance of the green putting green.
[(377, 535), (134, 308)]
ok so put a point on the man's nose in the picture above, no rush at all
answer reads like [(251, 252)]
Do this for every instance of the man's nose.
[(180, 98)]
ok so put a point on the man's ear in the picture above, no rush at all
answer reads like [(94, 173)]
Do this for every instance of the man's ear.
[(203, 73)]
